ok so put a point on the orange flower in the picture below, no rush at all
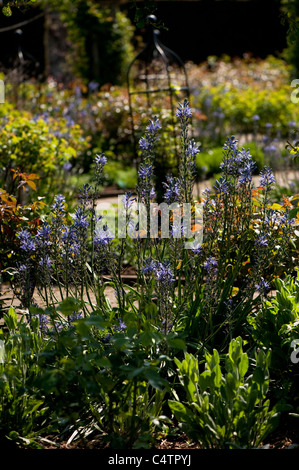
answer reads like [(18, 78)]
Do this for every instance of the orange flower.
[(286, 202)]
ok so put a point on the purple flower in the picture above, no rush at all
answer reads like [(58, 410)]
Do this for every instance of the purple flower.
[(164, 275), (80, 220), (145, 171), (263, 286), (43, 323), (231, 145), (172, 189), (42, 237), (74, 317), (270, 148), (246, 173), (67, 166), (255, 117), (75, 249), (59, 204), (45, 262), (192, 150), (26, 242), (122, 326), (267, 178), (100, 160), (23, 268), (149, 267), (153, 126), (210, 265), (262, 241), (184, 111), (102, 238), (144, 144), (221, 186), (268, 125), (128, 201), (85, 195), (93, 86)]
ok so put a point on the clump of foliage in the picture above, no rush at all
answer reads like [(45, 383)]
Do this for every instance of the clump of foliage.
[(38, 144), (101, 40), (225, 409)]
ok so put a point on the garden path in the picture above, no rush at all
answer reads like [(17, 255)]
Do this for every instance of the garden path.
[(283, 178)]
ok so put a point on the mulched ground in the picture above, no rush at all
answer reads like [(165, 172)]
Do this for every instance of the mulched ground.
[(286, 436)]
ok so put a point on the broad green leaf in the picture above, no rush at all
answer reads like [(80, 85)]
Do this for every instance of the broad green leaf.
[(69, 306), (175, 343), (180, 411), (243, 365)]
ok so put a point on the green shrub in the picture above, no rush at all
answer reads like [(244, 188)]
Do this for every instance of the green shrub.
[(22, 414), (276, 325), (36, 145), (225, 409)]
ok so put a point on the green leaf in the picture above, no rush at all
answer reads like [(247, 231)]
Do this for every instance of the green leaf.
[(217, 376), (69, 306), (205, 381), (243, 365), (180, 411), (258, 375), (235, 349), (11, 319), (155, 380), (175, 343)]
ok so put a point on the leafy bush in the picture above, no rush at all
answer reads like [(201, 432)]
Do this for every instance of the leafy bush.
[(22, 414), (13, 217), (225, 409), (37, 145), (275, 326), (101, 377)]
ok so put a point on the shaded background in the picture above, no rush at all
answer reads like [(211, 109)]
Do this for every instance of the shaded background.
[(195, 30)]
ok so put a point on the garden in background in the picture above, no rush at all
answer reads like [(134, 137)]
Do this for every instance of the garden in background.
[(132, 340)]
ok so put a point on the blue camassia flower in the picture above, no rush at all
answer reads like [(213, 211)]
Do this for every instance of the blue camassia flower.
[(267, 178), (59, 203), (45, 262), (210, 265), (263, 286), (27, 244), (172, 189), (149, 266), (43, 235), (184, 111), (262, 241), (221, 186), (145, 171), (164, 275), (246, 173), (100, 159), (154, 126), (80, 219)]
